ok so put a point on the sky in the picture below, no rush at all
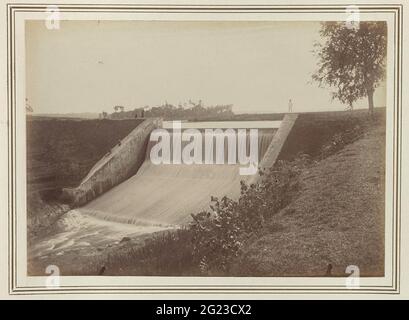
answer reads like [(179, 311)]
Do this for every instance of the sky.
[(91, 66)]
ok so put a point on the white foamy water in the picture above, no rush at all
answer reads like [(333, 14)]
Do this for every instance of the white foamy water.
[(76, 230)]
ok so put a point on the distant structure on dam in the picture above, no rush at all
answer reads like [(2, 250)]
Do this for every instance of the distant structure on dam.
[(121, 114)]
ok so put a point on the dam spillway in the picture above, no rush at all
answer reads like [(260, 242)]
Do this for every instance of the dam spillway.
[(126, 195), (167, 194)]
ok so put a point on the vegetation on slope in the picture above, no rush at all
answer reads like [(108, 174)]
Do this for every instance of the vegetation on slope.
[(336, 220), (61, 152)]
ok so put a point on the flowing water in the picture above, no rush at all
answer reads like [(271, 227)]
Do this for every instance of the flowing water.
[(76, 231)]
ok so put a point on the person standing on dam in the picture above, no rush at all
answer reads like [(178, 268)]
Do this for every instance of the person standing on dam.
[(290, 106)]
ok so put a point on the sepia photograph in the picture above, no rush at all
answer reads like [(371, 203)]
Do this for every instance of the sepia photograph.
[(228, 149), (206, 148)]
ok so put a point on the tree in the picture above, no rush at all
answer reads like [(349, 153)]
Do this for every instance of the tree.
[(121, 108), (352, 60)]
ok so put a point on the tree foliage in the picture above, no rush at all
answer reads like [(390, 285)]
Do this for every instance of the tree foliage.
[(186, 111), (191, 111), (351, 60)]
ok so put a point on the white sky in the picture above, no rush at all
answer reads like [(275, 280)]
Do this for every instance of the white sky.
[(91, 66)]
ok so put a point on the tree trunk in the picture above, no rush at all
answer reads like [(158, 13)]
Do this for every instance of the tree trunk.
[(370, 101)]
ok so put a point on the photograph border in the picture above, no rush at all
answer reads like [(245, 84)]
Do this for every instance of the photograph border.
[(14, 289)]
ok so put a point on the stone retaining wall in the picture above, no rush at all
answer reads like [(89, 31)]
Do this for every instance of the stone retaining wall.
[(119, 164)]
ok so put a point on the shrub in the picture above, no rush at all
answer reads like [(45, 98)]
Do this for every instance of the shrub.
[(220, 233)]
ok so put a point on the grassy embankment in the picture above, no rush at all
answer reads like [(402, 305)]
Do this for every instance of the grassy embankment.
[(322, 204)]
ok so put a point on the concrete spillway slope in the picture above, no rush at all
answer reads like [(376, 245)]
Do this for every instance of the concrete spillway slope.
[(167, 194), (116, 166)]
